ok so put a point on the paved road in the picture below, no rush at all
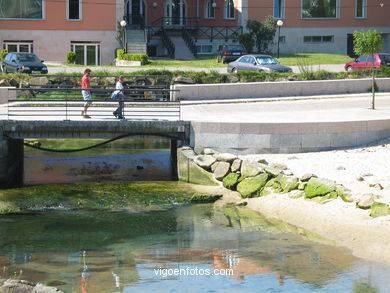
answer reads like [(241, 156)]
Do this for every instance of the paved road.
[(70, 69)]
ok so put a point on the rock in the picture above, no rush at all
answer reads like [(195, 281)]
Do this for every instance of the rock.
[(204, 198), (231, 79), (379, 209), (4, 83), (274, 172), (262, 161), (287, 183), (250, 187), (344, 193), (189, 153), (366, 200), (225, 157), (293, 158), (231, 181), (302, 185), (367, 174), (208, 151), (360, 179), (287, 172), (279, 166), (221, 169), (377, 186), (296, 194), (242, 204), (340, 168), (251, 169), (183, 80), (319, 187), (22, 286), (326, 198), (236, 165), (307, 176), (40, 81), (205, 161)]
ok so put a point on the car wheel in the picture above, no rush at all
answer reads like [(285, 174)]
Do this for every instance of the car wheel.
[(349, 69), (224, 60)]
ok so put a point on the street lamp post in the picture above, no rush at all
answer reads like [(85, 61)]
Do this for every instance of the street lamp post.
[(123, 25), (279, 23)]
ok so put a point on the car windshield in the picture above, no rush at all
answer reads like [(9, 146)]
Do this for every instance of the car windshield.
[(266, 60), (234, 47), (28, 58)]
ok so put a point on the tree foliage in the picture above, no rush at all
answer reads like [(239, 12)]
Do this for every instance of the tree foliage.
[(246, 40), (368, 43), (262, 33)]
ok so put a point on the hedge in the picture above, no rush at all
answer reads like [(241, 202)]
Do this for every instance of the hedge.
[(121, 55)]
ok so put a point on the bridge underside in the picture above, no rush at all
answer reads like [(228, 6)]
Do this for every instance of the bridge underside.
[(13, 133)]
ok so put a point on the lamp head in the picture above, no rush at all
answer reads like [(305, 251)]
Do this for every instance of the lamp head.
[(279, 23), (123, 23)]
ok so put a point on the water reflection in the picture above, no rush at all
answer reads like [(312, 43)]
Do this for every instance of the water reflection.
[(119, 252), (122, 160)]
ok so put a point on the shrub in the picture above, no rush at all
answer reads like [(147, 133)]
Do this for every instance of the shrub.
[(247, 40), (70, 57), (121, 55), (3, 54)]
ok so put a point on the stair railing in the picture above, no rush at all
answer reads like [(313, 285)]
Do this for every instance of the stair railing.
[(168, 43), (189, 41)]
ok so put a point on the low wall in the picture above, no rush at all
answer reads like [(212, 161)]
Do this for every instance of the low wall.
[(254, 138), (277, 89), (6, 95)]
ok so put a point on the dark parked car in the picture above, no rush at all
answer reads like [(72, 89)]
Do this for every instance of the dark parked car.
[(23, 63), (257, 63), (230, 53), (369, 61)]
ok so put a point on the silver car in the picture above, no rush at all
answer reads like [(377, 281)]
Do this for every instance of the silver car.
[(264, 63)]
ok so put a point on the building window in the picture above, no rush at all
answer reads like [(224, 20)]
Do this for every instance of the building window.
[(229, 9), (318, 39), (320, 8), (87, 53), (204, 49), (360, 9), (18, 46), (74, 8), (279, 8), (21, 9), (209, 9)]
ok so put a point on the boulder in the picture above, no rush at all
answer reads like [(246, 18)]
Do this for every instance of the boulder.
[(302, 185), (40, 81), (307, 176), (13, 82), (365, 201), (220, 169), (208, 151), (319, 187), (22, 286), (250, 187), (4, 83), (379, 209), (205, 161), (225, 157), (287, 183), (376, 185), (250, 169), (279, 166), (204, 198), (231, 181), (236, 165), (183, 80), (344, 193), (274, 172)]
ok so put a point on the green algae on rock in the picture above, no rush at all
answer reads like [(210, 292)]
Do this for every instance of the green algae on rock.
[(379, 209), (204, 198), (250, 187), (231, 181), (319, 187)]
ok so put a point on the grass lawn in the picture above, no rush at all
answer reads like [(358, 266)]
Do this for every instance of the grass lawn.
[(209, 61)]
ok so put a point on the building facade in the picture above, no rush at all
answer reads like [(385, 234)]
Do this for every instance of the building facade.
[(52, 28)]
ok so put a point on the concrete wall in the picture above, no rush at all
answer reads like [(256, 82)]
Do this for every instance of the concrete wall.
[(252, 138), (6, 95), (276, 89), (11, 162)]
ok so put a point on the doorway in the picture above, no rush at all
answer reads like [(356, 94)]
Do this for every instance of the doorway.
[(175, 12), (135, 10), (86, 53)]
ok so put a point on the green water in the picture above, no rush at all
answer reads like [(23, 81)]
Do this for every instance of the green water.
[(139, 252)]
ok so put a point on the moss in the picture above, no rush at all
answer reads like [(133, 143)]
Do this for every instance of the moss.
[(250, 187), (287, 183), (318, 187), (204, 198), (231, 181), (344, 193), (325, 198), (117, 195), (379, 209)]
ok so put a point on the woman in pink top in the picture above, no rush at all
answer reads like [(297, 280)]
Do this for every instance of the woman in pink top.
[(86, 92)]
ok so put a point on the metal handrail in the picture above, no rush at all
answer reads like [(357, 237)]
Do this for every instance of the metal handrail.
[(189, 41), (168, 43)]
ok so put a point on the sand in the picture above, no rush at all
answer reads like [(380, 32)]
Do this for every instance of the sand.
[(339, 221)]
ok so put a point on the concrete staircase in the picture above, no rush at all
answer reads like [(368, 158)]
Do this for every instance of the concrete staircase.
[(136, 42), (182, 51)]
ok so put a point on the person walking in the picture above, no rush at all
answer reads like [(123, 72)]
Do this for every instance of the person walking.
[(118, 95), (86, 92)]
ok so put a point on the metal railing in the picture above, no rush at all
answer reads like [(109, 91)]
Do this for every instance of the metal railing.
[(141, 103), (168, 43), (189, 41)]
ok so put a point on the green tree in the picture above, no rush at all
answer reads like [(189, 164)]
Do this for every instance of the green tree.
[(368, 43), (247, 41), (263, 33), (120, 34)]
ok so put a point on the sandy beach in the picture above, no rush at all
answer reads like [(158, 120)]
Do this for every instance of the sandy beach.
[(359, 169)]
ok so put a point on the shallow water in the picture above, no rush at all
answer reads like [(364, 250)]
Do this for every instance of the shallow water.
[(121, 160), (139, 252)]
